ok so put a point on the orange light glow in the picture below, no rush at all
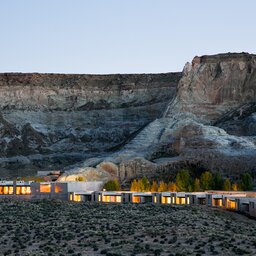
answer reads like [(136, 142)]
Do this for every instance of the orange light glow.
[(45, 188), (180, 200), (77, 198), (217, 202), (112, 199), (166, 200), (136, 199), (58, 189), (6, 190), (231, 204), (23, 190)]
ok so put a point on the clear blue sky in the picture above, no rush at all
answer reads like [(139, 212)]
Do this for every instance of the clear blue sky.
[(120, 36)]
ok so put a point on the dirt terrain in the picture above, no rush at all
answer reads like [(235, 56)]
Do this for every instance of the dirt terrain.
[(62, 228)]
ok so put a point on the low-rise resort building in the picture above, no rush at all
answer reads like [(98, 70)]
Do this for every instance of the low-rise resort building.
[(19, 189), (239, 201)]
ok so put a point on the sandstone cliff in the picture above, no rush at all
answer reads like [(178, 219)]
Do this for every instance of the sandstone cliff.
[(105, 126), (210, 124), (212, 87), (49, 121)]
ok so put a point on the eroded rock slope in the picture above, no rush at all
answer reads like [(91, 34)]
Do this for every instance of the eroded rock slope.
[(210, 124), (49, 121)]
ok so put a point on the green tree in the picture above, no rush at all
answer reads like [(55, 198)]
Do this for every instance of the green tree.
[(154, 187), (172, 187), (206, 181), (145, 185), (196, 186), (227, 185), (217, 181), (246, 182), (183, 180), (134, 186), (162, 187), (112, 185)]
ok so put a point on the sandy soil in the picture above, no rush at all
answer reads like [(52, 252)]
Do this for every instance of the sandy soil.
[(62, 228)]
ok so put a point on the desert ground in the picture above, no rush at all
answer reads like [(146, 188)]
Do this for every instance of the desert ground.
[(63, 228)]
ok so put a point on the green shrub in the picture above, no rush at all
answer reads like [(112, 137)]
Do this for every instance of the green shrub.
[(246, 182), (183, 180), (112, 185)]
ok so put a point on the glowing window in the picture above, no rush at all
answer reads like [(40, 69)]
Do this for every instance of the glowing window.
[(45, 188), (136, 199), (105, 199), (231, 204), (180, 200), (166, 200), (217, 202), (10, 190), (77, 198), (28, 190), (58, 188), (23, 190), (18, 190), (118, 199), (5, 190)]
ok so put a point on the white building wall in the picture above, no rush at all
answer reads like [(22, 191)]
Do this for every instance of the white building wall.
[(78, 186)]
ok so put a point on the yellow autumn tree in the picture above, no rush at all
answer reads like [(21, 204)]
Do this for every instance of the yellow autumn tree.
[(227, 184), (154, 187), (172, 187), (134, 186), (162, 187), (234, 187)]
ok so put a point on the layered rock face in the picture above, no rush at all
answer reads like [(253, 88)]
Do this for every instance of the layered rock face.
[(210, 124), (126, 126), (49, 121), (213, 87)]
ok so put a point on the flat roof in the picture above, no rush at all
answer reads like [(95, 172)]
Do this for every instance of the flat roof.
[(83, 192)]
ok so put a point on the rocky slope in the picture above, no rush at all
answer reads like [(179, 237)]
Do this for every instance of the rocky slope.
[(210, 124), (105, 126), (49, 121)]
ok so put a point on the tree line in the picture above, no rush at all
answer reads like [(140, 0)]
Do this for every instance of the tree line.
[(184, 182)]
